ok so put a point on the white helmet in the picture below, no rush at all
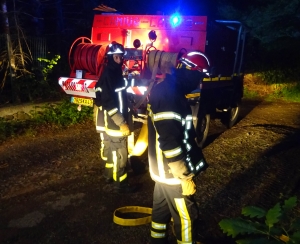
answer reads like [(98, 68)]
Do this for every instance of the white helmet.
[(115, 48)]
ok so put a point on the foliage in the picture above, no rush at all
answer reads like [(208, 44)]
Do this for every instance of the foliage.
[(272, 37), (28, 83), (276, 76), (287, 92), (269, 21), (38, 85), (50, 65), (20, 60), (8, 129), (60, 114), (63, 114), (250, 94), (277, 225)]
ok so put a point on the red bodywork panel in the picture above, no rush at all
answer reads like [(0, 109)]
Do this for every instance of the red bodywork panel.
[(88, 58), (190, 34)]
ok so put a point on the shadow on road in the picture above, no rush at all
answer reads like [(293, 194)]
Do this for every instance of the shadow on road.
[(216, 128), (270, 175)]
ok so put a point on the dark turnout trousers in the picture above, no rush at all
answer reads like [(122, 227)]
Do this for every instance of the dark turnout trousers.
[(168, 202)]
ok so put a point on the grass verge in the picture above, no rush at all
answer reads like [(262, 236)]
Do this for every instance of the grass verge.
[(58, 115)]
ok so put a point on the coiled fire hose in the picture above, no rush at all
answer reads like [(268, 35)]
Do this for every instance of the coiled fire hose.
[(89, 57), (156, 60), (136, 221), (161, 59), (132, 222)]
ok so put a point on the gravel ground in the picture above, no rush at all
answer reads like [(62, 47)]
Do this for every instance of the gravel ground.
[(52, 189)]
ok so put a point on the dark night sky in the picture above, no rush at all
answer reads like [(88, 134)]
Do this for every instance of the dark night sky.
[(48, 15), (186, 7), (66, 20), (167, 7), (61, 22)]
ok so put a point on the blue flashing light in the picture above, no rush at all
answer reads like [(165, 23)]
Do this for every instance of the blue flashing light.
[(175, 19)]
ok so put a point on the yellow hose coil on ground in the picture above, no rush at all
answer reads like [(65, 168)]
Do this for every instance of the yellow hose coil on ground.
[(133, 222), (137, 221)]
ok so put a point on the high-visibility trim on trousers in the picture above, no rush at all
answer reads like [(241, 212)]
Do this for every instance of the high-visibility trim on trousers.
[(102, 147), (186, 231), (158, 230), (109, 165), (117, 177)]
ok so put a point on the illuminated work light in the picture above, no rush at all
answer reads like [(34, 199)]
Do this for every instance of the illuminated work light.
[(175, 19)]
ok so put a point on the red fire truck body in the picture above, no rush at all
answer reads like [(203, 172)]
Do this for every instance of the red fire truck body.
[(151, 40), (191, 34)]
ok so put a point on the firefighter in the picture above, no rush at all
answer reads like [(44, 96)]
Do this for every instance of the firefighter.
[(113, 119), (174, 158)]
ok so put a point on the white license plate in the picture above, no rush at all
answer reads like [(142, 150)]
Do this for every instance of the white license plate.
[(82, 101)]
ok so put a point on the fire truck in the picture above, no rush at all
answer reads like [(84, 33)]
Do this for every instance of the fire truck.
[(150, 42)]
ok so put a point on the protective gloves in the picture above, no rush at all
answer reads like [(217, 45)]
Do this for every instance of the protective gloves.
[(118, 119), (188, 187), (179, 170), (125, 129)]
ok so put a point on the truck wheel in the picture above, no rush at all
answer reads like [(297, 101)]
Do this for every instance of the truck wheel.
[(231, 116), (202, 127)]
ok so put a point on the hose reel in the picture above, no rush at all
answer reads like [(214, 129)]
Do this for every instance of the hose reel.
[(87, 56), (163, 60)]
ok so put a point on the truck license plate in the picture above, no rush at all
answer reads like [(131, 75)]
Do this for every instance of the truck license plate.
[(82, 101)]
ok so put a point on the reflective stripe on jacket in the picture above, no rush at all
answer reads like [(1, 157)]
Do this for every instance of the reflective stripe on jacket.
[(171, 133), (111, 94)]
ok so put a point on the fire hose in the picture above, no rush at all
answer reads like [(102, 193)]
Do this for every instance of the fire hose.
[(132, 222), (157, 60), (136, 221), (89, 57), (161, 59)]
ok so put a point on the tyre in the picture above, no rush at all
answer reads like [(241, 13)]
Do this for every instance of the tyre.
[(231, 116), (202, 127)]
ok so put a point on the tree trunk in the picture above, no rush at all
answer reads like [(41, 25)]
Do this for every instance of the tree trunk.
[(20, 49), (11, 59)]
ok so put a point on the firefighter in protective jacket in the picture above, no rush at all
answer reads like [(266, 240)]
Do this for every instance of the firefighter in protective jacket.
[(113, 118), (174, 157)]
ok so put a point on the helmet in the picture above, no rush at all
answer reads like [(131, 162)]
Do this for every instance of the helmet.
[(115, 48), (194, 61)]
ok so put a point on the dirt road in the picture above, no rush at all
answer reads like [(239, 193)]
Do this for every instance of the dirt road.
[(52, 190)]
